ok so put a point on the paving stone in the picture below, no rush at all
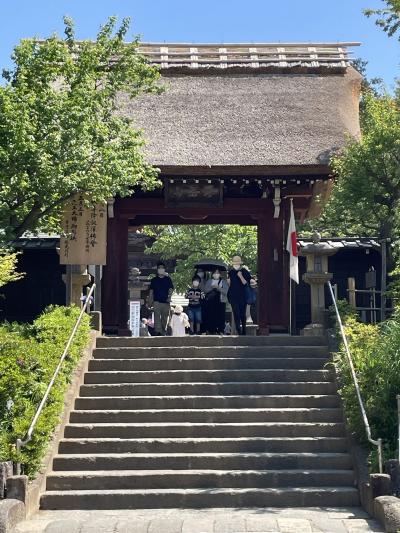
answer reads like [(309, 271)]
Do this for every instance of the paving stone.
[(316, 529), (99, 526), (357, 525), (287, 520), (30, 527), (261, 523), (198, 525), (63, 526), (349, 513), (132, 526), (165, 525), (230, 525), (321, 522), (294, 525)]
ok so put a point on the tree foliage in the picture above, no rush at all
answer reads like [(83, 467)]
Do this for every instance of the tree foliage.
[(388, 18), (60, 132), (8, 266), (365, 200), (190, 243)]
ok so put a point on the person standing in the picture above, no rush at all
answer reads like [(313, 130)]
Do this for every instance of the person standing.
[(200, 272), (195, 295), (161, 289), (239, 278), (179, 322), (214, 307)]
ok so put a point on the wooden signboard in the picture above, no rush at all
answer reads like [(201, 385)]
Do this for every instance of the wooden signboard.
[(85, 233), (192, 194)]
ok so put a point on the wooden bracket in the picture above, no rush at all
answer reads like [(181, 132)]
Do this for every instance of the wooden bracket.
[(277, 201)]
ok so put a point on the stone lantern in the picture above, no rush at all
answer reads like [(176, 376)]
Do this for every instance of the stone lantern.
[(135, 284), (79, 278), (316, 276)]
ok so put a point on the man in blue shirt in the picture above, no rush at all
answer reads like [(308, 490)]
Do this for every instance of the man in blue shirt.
[(161, 289)]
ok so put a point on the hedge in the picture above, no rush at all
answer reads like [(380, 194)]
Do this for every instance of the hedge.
[(375, 350), (29, 354)]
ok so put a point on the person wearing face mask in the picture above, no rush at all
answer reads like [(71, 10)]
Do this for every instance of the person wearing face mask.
[(216, 290), (161, 289), (202, 275), (195, 295), (238, 277)]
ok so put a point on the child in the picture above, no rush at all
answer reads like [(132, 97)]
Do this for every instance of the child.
[(144, 330), (195, 296), (179, 322)]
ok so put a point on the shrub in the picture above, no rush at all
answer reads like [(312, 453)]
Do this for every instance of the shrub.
[(375, 350), (29, 355)]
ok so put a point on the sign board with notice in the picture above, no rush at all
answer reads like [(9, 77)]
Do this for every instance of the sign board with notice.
[(84, 239), (134, 317)]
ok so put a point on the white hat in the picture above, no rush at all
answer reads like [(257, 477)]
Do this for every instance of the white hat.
[(178, 309)]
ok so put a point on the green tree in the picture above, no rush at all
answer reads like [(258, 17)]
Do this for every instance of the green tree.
[(8, 266), (387, 18), (187, 244), (365, 199), (60, 132)]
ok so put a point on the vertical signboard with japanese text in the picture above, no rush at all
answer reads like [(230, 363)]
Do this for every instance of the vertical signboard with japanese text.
[(84, 239), (134, 317)]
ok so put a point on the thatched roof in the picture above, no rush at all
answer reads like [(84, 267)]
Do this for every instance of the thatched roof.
[(247, 118)]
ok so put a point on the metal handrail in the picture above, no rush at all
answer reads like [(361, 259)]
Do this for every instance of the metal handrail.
[(378, 442), (20, 443)]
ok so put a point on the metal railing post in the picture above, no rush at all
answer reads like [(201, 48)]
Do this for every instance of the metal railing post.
[(377, 443), (23, 442)]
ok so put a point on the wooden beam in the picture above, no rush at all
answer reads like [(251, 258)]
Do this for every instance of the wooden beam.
[(312, 171)]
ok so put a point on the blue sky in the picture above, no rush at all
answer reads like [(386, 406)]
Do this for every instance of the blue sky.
[(212, 21)]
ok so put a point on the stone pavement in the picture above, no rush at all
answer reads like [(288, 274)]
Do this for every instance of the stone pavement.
[(269, 520)]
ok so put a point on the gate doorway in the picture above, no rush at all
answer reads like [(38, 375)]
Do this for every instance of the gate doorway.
[(260, 211)]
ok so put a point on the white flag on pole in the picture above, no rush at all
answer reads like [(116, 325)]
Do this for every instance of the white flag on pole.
[(291, 247)]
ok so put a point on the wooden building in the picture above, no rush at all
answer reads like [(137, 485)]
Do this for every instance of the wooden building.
[(239, 131)]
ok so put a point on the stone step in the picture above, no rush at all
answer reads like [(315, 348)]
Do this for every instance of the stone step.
[(206, 402), (206, 376), (208, 389), (208, 415), (203, 445), (170, 352), (211, 340), (201, 498), (202, 363), (221, 461), (170, 479), (187, 430), (204, 422)]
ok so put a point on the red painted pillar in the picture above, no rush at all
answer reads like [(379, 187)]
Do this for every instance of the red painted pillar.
[(115, 278), (273, 278), (264, 276)]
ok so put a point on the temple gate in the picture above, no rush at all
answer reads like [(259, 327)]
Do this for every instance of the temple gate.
[(239, 131)]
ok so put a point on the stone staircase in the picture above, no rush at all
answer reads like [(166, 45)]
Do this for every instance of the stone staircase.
[(204, 422)]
